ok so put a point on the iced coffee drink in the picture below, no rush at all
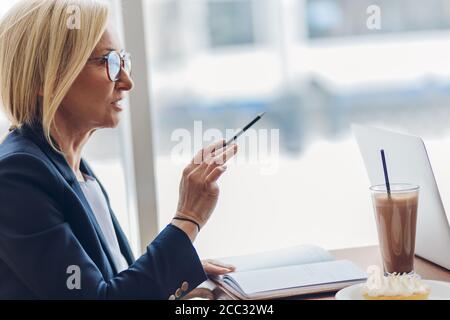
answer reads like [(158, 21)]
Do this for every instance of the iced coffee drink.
[(396, 218)]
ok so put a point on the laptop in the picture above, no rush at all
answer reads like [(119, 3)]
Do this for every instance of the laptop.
[(408, 162)]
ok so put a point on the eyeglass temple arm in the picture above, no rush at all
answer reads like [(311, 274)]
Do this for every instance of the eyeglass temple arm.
[(99, 59)]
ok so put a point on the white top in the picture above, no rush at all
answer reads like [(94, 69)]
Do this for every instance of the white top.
[(99, 206)]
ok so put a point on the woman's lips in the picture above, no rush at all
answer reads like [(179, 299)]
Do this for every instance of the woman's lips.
[(118, 105)]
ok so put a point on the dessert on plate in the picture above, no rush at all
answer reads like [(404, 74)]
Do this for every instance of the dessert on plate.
[(395, 287)]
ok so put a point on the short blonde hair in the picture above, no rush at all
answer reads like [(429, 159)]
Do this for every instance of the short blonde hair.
[(42, 50)]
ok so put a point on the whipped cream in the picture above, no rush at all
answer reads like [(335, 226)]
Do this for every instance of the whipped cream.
[(394, 285)]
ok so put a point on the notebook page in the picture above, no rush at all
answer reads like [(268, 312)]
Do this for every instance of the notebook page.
[(277, 258), (295, 276)]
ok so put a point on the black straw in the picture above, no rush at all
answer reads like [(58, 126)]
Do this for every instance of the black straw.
[(386, 177)]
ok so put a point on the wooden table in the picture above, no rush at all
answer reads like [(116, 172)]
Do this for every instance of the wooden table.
[(363, 257)]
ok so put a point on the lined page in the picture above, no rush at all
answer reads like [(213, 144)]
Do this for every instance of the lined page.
[(277, 258), (295, 276)]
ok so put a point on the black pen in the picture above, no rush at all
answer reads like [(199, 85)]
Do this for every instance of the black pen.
[(244, 129)]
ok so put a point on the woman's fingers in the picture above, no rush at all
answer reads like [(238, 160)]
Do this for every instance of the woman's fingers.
[(212, 267), (219, 159), (201, 156), (226, 155), (222, 264), (202, 293), (204, 153), (213, 166), (215, 174), (213, 161), (222, 156)]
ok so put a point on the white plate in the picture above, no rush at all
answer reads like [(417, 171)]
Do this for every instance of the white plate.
[(439, 290)]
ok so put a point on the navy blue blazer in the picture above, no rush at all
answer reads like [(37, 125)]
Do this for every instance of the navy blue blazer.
[(47, 226)]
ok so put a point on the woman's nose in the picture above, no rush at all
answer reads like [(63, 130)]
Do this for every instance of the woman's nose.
[(124, 82)]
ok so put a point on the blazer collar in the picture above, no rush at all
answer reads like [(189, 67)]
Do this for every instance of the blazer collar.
[(35, 133)]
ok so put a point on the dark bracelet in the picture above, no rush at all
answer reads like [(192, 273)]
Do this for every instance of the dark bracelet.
[(190, 220)]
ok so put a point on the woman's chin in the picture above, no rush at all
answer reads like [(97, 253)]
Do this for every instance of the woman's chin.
[(115, 115), (112, 122), (115, 123)]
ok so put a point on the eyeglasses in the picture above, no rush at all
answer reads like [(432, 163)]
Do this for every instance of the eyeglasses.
[(115, 62)]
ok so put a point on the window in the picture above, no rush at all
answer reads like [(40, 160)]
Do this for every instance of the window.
[(230, 22), (312, 86), (340, 18)]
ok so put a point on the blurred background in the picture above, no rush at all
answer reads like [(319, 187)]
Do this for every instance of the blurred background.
[(315, 68)]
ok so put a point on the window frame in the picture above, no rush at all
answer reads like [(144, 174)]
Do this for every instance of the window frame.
[(137, 134)]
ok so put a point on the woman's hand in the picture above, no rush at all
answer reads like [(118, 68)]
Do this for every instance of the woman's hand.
[(213, 268), (217, 268), (199, 191)]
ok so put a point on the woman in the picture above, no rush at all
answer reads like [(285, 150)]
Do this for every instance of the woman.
[(58, 236)]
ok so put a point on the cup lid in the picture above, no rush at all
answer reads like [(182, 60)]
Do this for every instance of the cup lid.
[(395, 187)]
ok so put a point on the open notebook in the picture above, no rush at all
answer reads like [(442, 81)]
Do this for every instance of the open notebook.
[(288, 272)]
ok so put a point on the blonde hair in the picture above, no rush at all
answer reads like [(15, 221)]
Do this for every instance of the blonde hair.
[(42, 51)]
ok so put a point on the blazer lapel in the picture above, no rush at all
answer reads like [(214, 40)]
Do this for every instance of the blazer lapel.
[(122, 239), (76, 187), (35, 133)]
